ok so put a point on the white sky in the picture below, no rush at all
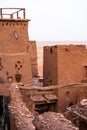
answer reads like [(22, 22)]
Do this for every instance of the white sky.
[(54, 20)]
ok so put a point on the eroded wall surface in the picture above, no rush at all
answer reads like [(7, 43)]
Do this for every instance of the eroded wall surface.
[(20, 116), (13, 35), (70, 95), (64, 64), (32, 50), (18, 55), (50, 66)]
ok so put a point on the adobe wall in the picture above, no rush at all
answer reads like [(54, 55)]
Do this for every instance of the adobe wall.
[(67, 96), (71, 62), (14, 66), (32, 50), (67, 64), (83, 91), (70, 95), (13, 35), (50, 66)]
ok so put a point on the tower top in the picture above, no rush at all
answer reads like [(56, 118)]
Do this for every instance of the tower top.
[(12, 13)]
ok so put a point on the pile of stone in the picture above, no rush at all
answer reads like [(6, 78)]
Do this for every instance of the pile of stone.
[(22, 115), (80, 109), (52, 121)]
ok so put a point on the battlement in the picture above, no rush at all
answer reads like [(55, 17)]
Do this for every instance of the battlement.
[(12, 13)]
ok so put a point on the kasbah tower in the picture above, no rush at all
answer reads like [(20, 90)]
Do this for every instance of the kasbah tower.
[(18, 56)]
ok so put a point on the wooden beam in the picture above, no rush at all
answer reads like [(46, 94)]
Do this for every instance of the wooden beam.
[(24, 13), (38, 88), (16, 11)]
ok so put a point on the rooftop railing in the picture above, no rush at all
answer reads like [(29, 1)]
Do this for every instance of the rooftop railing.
[(12, 13)]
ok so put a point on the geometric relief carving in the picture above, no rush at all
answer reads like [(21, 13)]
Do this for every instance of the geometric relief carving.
[(18, 65)]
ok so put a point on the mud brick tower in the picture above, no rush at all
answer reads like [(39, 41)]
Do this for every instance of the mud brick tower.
[(15, 59), (65, 64)]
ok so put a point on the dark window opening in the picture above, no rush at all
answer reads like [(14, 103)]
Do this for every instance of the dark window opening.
[(4, 112), (41, 108), (1, 108), (70, 104), (18, 77)]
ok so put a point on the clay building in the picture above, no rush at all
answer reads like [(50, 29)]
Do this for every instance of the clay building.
[(18, 56), (64, 67), (64, 64), (21, 117)]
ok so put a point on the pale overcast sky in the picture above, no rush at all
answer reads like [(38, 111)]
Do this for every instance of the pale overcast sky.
[(54, 20)]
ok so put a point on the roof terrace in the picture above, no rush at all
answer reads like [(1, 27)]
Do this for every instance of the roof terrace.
[(12, 13)]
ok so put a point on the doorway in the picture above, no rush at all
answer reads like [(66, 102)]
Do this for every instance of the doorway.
[(4, 112)]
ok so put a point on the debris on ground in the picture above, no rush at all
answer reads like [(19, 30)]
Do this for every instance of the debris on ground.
[(53, 121), (22, 115), (80, 109)]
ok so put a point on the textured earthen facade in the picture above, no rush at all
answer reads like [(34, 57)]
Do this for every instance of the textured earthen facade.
[(70, 95), (18, 56), (22, 118), (64, 64), (32, 50)]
